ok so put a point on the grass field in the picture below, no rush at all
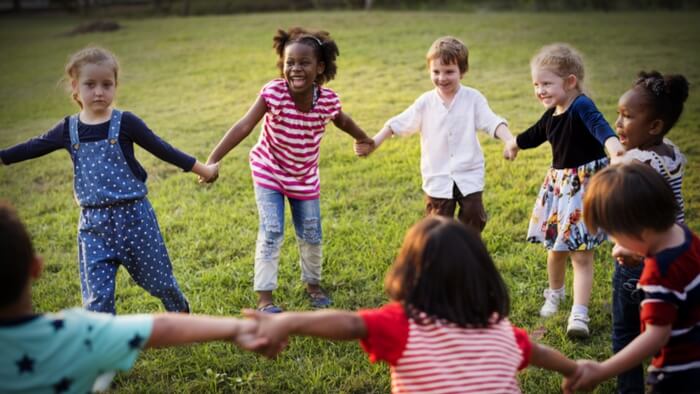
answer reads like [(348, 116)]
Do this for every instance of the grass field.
[(190, 79)]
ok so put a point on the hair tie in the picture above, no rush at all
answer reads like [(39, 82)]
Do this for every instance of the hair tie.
[(318, 41)]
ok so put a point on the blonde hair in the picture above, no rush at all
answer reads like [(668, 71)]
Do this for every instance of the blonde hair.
[(561, 59), (89, 55), (449, 50)]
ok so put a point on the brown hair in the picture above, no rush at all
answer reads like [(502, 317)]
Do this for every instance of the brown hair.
[(444, 270), (16, 253), (90, 55), (449, 50), (324, 47), (629, 198), (561, 59)]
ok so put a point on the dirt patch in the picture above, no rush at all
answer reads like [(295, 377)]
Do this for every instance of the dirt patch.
[(94, 27)]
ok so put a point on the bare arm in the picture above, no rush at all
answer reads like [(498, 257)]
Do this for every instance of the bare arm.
[(345, 123), (510, 148), (364, 149), (173, 329), (545, 357), (239, 131)]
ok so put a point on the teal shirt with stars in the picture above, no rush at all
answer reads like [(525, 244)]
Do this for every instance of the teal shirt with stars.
[(73, 351)]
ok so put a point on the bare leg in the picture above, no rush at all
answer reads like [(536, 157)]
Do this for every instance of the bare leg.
[(556, 268), (583, 276), (264, 298)]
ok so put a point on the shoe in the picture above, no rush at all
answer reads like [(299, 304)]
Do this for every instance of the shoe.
[(270, 308), (578, 326), (552, 299), (319, 300)]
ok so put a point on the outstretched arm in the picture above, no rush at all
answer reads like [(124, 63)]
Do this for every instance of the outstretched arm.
[(173, 329), (510, 149), (239, 131), (545, 357), (345, 123)]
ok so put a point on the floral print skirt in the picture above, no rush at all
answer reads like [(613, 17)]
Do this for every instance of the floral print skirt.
[(557, 219)]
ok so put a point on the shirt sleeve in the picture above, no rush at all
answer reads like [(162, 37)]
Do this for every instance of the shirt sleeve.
[(486, 119), (36, 147), (272, 93), (139, 132), (118, 340), (387, 333), (660, 304), (535, 136), (409, 121), (525, 345), (593, 119), (328, 104)]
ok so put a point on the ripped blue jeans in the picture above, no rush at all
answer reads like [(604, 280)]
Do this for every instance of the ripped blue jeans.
[(306, 215)]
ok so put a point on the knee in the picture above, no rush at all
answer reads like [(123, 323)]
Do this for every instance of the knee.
[(311, 231)]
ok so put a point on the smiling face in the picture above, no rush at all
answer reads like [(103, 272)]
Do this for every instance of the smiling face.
[(552, 90), (301, 67), (635, 125), (95, 87), (445, 77)]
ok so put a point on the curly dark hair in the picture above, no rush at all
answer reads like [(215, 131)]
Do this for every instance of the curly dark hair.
[(665, 95), (324, 47)]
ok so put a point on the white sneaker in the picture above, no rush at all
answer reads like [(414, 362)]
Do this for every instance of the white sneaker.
[(578, 326), (552, 299)]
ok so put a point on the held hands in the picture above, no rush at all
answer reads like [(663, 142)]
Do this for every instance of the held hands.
[(588, 375), (271, 328), (626, 257), (365, 146), (210, 173), (510, 150)]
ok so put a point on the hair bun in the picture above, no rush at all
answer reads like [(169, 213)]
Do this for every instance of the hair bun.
[(677, 87)]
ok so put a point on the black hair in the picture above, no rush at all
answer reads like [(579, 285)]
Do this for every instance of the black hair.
[(444, 271), (16, 253), (618, 200), (665, 95), (324, 47)]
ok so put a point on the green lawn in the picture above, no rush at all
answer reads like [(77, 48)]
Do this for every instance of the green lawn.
[(190, 79)]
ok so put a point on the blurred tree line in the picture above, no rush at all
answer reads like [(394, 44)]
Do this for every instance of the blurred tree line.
[(189, 7)]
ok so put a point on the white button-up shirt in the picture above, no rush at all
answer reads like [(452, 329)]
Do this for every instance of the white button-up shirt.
[(450, 150)]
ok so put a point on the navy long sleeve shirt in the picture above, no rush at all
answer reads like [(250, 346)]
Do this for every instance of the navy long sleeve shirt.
[(577, 136), (133, 130)]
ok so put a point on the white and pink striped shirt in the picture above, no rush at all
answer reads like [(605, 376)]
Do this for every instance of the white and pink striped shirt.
[(439, 357), (286, 155)]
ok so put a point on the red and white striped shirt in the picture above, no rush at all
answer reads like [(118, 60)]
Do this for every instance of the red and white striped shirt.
[(286, 155), (440, 357)]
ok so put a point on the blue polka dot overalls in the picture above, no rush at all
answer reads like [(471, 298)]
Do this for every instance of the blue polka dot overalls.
[(117, 225)]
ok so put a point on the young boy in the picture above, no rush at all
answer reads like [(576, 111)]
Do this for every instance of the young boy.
[(618, 201), (452, 163), (76, 350)]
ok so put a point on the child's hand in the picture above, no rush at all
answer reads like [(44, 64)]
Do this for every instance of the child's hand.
[(364, 146), (589, 375), (271, 327), (626, 257), (211, 173), (510, 150), (246, 338)]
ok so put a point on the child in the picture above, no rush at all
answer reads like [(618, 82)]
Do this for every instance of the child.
[(618, 201), (446, 328), (577, 133), (284, 162), (452, 163), (75, 350), (117, 223), (646, 113)]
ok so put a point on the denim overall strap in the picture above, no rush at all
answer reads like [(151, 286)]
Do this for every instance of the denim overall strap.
[(73, 131), (115, 123)]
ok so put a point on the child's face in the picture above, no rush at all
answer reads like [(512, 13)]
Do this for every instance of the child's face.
[(301, 67), (445, 77), (95, 87), (550, 89), (634, 125)]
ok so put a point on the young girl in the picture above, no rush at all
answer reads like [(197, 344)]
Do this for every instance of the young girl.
[(284, 162), (618, 201), (446, 328), (578, 133), (117, 223), (646, 113)]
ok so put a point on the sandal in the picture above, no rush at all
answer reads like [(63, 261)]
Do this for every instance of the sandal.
[(319, 300), (270, 308)]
